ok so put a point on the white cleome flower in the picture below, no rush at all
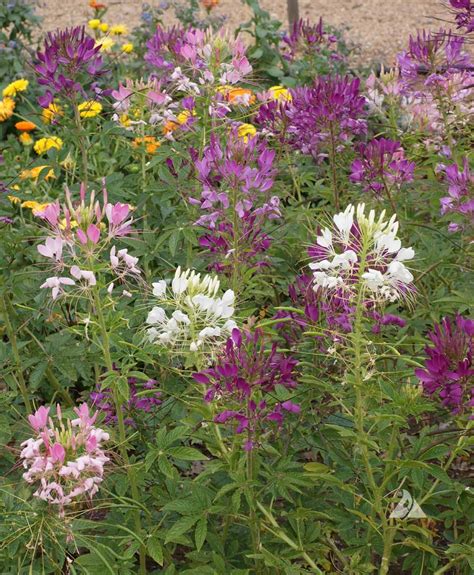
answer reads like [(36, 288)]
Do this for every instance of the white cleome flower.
[(191, 315), (362, 248)]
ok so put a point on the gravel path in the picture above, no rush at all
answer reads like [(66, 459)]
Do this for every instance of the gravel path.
[(379, 28)]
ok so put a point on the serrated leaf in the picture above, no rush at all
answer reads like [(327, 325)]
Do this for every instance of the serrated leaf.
[(165, 467), (200, 533), (155, 550), (181, 527), (186, 453)]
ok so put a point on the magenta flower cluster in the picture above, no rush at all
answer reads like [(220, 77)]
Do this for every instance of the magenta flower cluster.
[(141, 399), (449, 369), (329, 113), (381, 165), (69, 62), (65, 460), (236, 180), (460, 198), (243, 381)]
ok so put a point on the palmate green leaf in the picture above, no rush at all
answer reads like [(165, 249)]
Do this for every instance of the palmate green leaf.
[(166, 468), (200, 533), (181, 527), (155, 550), (186, 453)]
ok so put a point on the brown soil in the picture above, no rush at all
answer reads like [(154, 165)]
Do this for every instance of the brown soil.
[(379, 28)]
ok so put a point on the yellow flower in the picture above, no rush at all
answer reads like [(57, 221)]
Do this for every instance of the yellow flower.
[(94, 23), (103, 27), (14, 199), (184, 116), (280, 93), (89, 109), (246, 131), (51, 113), (105, 44), (15, 87), (118, 30), (127, 48), (72, 224), (125, 121), (25, 138), (35, 172), (45, 144), (7, 105), (35, 207)]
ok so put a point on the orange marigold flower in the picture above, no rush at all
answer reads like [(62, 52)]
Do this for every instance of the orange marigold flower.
[(209, 4), (25, 138), (96, 5), (233, 95), (150, 142), (25, 126)]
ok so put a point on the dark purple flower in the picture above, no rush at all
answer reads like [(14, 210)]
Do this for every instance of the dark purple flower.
[(381, 164), (461, 196), (464, 14), (68, 64), (243, 380), (144, 399), (305, 38), (326, 114), (449, 371), (164, 47)]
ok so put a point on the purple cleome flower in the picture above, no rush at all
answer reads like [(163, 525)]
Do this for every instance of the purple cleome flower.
[(69, 62), (328, 112), (464, 14), (140, 400), (243, 379), (236, 180), (381, 164), (449, 369), (307, 38), (461, 196)]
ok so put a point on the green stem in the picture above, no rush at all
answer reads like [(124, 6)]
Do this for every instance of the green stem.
[(82, 144), (254, 524), (5, 308), (332, 162), (121, 424)]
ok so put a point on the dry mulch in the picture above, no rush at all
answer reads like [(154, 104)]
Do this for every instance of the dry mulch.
[(379, 28)]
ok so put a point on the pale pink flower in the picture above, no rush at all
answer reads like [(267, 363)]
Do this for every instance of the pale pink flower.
[(55, 284), (52, 248)]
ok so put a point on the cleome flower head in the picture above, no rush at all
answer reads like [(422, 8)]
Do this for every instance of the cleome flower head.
[(449, 368), (191, 316), (357, 249), (66, 459)]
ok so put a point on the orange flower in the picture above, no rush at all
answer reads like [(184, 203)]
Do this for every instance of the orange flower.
[(25, 126), (150, 142), (242, 96), (209, 4), (96, 5)]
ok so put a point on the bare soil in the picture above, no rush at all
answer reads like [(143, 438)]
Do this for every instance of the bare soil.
[(378, 28)]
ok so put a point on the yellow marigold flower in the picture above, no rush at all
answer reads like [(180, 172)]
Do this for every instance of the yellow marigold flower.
[(25, 138), (184, 116), (280, 93), (119, 30), (105, 44), (14, 199), (7, 106), (51, 113), (94, 23), (246, 131), (35, 207), (103, 27), (89, 109), (44, 144), (14, 87), (125, 120), (150, 142), (35, 172), (25, 126), (127, 48)]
